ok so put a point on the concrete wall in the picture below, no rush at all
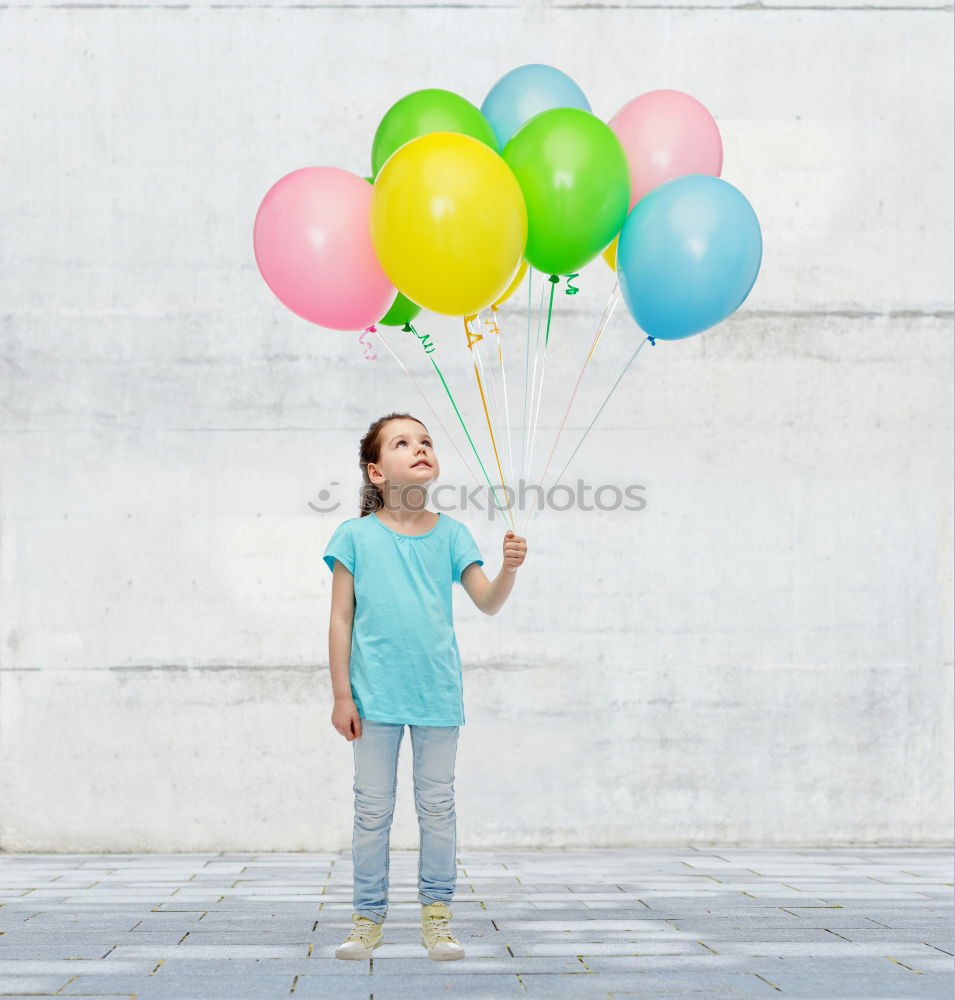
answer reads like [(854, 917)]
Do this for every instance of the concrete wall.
[(762, 654)]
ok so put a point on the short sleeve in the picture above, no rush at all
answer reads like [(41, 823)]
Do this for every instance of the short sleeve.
[(464, 552), (341, 546)]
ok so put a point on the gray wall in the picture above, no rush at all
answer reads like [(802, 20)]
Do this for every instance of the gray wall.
[(762, 654)]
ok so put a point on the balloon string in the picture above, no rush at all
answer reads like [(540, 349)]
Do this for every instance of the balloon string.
[(540, 311), (476, 346), (474, 449), (605, 319), (553, 279), (366, 346), (571, 288), (487, 371), (530, 415), (460, 418), (597, 414), (495, 326), (472, 339), (601, 326), (433, 410)]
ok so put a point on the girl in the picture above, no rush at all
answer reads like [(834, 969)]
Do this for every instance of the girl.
[(394, 660)]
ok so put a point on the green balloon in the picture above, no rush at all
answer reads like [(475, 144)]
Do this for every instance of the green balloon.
[(576, 183), (426, 111), (402, 311)]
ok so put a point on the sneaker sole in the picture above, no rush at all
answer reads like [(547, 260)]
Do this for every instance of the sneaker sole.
[(352, 956), (439, 957)]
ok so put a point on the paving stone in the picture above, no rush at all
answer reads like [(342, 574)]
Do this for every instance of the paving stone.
[(624, 947), (823, 949), (12, 982), (928, 986), (761, 936), (199, 949), (67, 966), (190, 987), (180, 966), (25, 942), (65, 952), (673, 983), (441, 982)]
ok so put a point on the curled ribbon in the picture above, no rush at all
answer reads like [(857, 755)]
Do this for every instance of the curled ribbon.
[(473, 338), (367, 346), (571, 288), (423, 337)]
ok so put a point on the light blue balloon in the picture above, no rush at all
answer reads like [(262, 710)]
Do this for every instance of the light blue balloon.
[(688, 255), (525, 92)]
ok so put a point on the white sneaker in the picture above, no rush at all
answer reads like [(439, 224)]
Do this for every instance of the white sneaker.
[(362, 940)]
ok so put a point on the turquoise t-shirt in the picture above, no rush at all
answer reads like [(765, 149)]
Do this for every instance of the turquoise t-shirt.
[(405, 665)]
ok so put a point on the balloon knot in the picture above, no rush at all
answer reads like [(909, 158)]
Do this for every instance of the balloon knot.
[(407, 328), (553, 279), (653, 342)]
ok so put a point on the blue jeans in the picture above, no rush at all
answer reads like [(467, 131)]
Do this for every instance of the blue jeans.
[(376, 772)]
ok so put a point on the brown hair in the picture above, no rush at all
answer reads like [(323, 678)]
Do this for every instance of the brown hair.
[(369, 451)]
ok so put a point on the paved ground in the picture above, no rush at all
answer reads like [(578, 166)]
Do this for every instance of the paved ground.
[(707, 924)]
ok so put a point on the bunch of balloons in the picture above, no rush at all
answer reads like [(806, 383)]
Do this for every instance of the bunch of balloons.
[(461, 200)]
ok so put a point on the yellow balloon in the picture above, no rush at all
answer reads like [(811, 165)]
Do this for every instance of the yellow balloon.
[(512, 287), (448, 223), (610, 254)]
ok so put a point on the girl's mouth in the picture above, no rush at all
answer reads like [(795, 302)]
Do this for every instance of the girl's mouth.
[(422, 462)]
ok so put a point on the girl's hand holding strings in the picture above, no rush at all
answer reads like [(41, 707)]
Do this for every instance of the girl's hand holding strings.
[(515, 549)]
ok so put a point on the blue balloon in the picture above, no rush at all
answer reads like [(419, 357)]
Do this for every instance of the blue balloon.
[(525, 92), (688, 255)]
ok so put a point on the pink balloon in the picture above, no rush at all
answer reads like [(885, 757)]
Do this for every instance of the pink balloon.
[(312, 241), (665, 134)]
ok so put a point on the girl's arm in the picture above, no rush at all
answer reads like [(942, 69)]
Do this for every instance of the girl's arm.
[(340, 631), (490, 595)]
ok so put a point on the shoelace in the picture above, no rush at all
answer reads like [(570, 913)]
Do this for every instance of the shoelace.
[(438, 926), (362, 931)]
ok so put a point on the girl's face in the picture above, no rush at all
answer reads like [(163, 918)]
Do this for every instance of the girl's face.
[(406, 455)]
